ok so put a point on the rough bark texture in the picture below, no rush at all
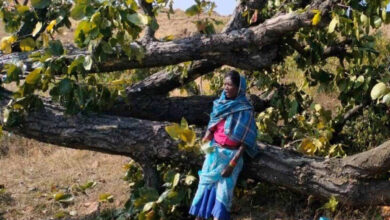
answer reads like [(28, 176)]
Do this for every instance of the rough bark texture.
[(194, 109), (350, 180)]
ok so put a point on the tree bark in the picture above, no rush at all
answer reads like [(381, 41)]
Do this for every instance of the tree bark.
[(222, 48), (194, 109), (351, 179)]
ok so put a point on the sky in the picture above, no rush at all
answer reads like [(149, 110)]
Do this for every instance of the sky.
[(224, 7)]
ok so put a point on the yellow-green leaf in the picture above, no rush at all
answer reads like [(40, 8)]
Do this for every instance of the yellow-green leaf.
[(106, 197), (138, 19), (307, 147), (331, 204), (22, 8), (176, 180), (27, 44), (333, 24), (316, 18), (173, 130), (34, 76), (51, 25), (6, 43), (188, 136), (37, 28), (149, 1)]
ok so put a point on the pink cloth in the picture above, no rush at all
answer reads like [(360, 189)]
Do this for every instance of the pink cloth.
[(220, 137)]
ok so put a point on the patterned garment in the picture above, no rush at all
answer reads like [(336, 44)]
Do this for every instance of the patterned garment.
[(240, 125), (217, 203), (215, 193)]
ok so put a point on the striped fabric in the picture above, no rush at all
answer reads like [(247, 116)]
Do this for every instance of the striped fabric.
[(240, 125)]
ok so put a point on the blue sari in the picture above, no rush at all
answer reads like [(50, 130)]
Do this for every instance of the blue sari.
[(214, 194)]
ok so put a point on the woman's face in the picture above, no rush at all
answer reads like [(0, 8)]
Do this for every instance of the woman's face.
[(230, 89)]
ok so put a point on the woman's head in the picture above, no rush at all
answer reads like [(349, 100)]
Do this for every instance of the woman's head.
[(231, 84)]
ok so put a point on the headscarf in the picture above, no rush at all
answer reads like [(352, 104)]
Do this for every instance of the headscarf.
[(240, 125)]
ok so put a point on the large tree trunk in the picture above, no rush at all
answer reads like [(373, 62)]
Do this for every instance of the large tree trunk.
[(351, 180)]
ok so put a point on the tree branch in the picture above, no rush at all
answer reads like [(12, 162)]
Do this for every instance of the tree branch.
[(145, 140)]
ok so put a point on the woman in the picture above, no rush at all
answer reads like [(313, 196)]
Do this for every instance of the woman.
[(231, 131)]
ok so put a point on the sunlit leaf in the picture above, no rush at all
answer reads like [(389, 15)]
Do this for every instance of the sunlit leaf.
[(149, 1), (138, 19), (331, 204), (6, 43), (88, 63), (37, 28), (27, 44), (34, 76), (173, 130), (317, 17), (190, 179), (307, 147), (51, 25), (176, 180), (333, 24), (148, 206), (22, 8), (106, 197), (379, 90)]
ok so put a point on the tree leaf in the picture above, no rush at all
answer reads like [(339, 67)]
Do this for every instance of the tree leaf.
[(40, 4), (65, 86), (190, 179), (88, 62), (37, 28), (149, 1), (51, 25), (316, 18), (173, 130), (55, 48), (176, 180), (6, 43), (193, 10), (33, 77), (307, 147), (138, 19), (333, 24), (78, 11), (27, 44), (379, 90), (148, 206)]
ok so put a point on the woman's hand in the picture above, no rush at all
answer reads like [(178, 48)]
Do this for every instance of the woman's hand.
[(227, 171), (207, 137)]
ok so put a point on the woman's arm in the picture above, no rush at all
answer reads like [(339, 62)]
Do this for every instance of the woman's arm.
[(230, 167)]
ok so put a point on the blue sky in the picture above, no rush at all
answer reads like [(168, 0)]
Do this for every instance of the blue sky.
[(224, 7)]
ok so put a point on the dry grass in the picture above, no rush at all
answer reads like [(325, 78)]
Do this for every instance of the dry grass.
[(31, 172)]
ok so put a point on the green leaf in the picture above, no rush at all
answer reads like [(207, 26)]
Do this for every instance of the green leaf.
[(293, 108), (27, 44), (13, 72), (193, 10), (65, 86), (149, 1), (106, 197), (22, 8), (78, 11), (34, 77), (88, 62), (63, 197), (183, 123), (40, 4), (138, 19), (88, 185), (55, 48)]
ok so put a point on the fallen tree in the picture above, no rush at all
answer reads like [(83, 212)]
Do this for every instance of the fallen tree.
[(134, 125)]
